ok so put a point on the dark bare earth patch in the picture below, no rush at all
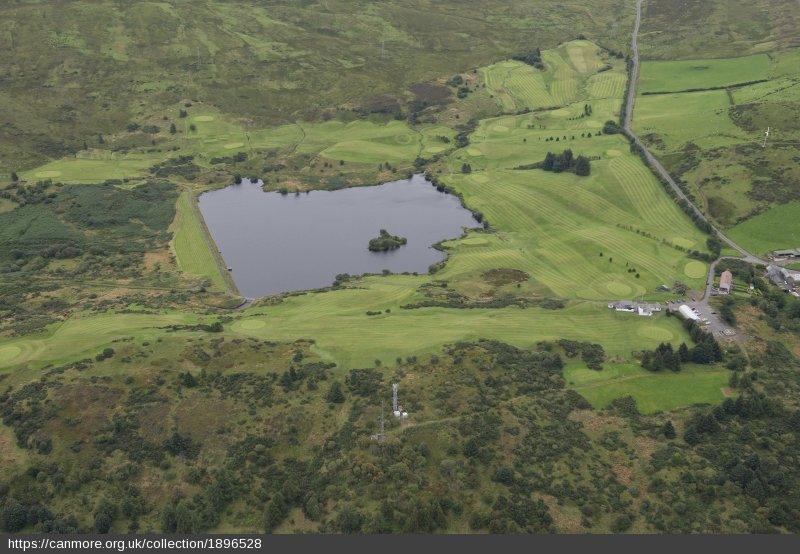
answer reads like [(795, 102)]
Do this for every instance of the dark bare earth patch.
[(504, 276)]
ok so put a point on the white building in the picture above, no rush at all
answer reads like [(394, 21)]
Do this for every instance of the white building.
[(688, 312)]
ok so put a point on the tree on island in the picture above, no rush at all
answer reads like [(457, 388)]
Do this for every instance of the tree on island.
[(386, 242)]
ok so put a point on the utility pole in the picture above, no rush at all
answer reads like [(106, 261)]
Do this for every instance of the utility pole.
[(766, 136), (197, 50)]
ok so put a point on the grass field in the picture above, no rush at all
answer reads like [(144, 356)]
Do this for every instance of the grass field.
[(209, 135), (713, 139), (570, 71), (775, 229), (345, 334), (698, 117), (337, 321), (612, 235), (555, 226), (190, 245), (669, 76), (95, 167), (282, 59), (654, 392), (204, 417)]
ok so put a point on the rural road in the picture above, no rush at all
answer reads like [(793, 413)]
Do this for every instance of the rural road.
[(629, 104)]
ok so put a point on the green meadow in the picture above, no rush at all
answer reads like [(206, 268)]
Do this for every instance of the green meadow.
[(210, 135), (654, 392), (612, 235), (337, 321), (139, 395), (95, 167), (571, 73), (190, 245), (678, 75), (266, 63), (575, 236), (713, 139), (775, 229)]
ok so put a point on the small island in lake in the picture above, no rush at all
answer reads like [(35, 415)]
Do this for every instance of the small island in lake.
[(386, 242)]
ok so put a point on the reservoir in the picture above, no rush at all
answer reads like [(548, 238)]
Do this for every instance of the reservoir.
[(279, 243)]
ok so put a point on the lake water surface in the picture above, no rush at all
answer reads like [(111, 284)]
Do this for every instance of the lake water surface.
[(279, 243)]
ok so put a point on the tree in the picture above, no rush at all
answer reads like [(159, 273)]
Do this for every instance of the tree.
[(14, 176), (277, 510), (311, 508), (548, 162), (102, 523), (683, 352), (104, 516), (611, 128), (582, 166), (726, 311), (335, 394), (187, 380), (504, 475), (466, 168), (668, 430), (349, 520), (13, 517), (173, 129), (621, 524), (691, 436)]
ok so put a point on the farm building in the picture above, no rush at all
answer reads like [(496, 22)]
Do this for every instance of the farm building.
[(725, 282), (623, 306), (784, 278), (640, 308), (688, 312), (790, 253)]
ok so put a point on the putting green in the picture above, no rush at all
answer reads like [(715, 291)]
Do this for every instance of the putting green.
[(480, 178), (680, 241), (434, 149), (8, 353), (500, 129), (650, 331), (474, 152), (560, 113), (594, 124), (509, 64), (619, 288), (251, 324), (203, 118), (695, 269), (232, 145), (612, 153), (48, 174), (474, 241)]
